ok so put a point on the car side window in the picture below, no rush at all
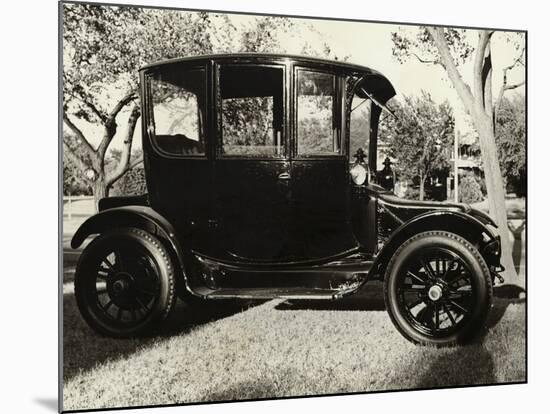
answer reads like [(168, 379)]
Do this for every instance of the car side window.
[(252, 110), (318, 131), (178, 105)]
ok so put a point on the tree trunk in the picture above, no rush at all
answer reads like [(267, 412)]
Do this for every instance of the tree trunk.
[(422, 181), (517, 248), (124, 163), (495, 191), (88, 157), (479, 106), (100, 190)]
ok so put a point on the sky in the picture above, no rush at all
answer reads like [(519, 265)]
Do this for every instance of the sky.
[(370, 44)]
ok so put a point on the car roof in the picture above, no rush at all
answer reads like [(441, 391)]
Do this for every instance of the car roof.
[(351, 68), (273, 56)]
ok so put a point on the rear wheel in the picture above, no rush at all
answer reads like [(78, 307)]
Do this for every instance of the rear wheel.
[(438, 289), (124, 283)]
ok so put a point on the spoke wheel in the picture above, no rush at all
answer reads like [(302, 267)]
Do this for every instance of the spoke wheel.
[(124, 283), (436, 292), (438, 289)]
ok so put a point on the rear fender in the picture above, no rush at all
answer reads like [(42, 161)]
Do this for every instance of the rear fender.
[(471, 228), (134, 216)]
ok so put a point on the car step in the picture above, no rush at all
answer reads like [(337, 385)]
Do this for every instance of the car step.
[(261, 293)]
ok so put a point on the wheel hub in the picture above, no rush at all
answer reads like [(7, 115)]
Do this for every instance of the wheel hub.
[(435, 293), (120, 286), (121, 289)]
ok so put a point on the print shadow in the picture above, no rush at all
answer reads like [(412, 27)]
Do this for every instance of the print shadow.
[(83, 348), (50, 404)]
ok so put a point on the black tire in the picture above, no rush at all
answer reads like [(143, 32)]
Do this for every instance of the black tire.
[(124, 283), (456, 294)]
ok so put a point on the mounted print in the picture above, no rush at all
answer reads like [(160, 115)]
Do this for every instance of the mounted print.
[(261, 207)]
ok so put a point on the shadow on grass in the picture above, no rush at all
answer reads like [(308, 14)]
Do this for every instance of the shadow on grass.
[(185, 318), (503, 296), (472, 365), (68, 275), (83, 348), (369, 298), (509, 292), (70, 257), (246, 390), (498, 309)]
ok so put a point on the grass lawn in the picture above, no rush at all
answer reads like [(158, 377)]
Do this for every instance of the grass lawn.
[(276, 349)]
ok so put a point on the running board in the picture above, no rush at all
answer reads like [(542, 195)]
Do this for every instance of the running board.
[(270, 293)]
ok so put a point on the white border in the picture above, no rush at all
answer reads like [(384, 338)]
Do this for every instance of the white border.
[(29, 203)]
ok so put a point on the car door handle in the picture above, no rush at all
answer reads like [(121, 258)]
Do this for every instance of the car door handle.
[(284, 176)]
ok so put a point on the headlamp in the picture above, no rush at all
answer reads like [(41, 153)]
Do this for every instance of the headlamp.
[(358, 174)]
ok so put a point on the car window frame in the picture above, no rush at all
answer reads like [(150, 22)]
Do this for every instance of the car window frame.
[(339, 91), (149, 121), (219, 116)]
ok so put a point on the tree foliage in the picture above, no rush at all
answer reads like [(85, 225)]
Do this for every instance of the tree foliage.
[(315, 124), (74, 182), (469, 189), (247, 123), (510, 137), (417, 42), (131, 183), (420, 138), (106, 45), (103, 48)]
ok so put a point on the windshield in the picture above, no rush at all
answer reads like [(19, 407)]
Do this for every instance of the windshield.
[(359, 127), (367, 122)]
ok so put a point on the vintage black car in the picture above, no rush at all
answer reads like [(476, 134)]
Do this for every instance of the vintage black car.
[(260, 172)]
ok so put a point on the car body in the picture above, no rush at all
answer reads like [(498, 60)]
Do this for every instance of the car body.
[(258, 170)]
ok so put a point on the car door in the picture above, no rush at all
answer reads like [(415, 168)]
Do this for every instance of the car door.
[(252, 168), (176, 149), (321, 224)]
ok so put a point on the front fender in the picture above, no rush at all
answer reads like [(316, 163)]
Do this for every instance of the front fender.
[(133, 216), (463, 224)]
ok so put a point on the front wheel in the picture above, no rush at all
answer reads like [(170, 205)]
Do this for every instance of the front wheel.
[(438, 289), (124, 283)]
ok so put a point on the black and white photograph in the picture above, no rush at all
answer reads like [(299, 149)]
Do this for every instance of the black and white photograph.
[(270, 206)]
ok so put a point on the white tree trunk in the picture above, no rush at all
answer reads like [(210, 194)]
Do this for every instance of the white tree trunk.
[(100, 190), (495, 191), (481, 115)]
